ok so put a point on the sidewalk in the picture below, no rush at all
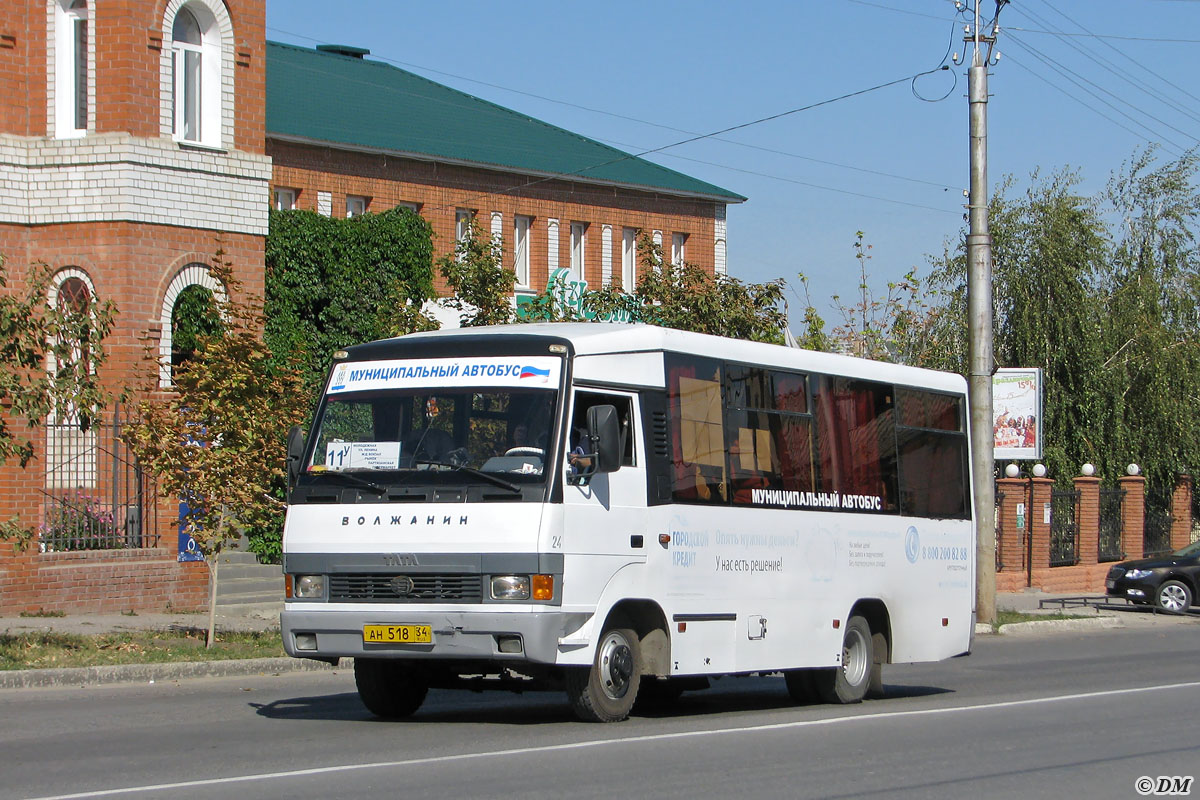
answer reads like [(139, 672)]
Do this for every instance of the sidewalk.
[(258, 620)]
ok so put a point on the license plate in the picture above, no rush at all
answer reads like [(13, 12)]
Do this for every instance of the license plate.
[(1110, 584), (397, 634)]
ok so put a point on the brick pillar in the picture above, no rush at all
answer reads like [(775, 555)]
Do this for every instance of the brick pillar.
[(1181, 513), (1133, 513), (1010, 544), (1039, 526), (1087, 519)]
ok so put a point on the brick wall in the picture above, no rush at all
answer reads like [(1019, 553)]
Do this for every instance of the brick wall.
[(441, 189)]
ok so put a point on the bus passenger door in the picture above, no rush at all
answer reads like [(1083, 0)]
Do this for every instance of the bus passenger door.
[(604, 513)]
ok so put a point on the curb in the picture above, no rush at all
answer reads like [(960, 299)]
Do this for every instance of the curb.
[(1049, 626), (149, 673)]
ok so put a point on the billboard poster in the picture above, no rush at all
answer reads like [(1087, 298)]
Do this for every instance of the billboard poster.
[(1017, 413)]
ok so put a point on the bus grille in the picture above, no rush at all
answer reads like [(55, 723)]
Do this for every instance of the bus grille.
[(405, 588)]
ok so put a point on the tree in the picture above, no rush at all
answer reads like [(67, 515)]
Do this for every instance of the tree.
[(219, 440), (688, 297), (1050, 255), (901, 327), (32, 334), (336, 282), (482, 286), (1152, 323)]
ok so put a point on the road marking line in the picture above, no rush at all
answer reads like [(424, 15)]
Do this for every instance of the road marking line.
[(776, 726)]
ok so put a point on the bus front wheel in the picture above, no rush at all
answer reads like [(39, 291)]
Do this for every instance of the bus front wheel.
[(849, 682), (606, 691), (389, 688)]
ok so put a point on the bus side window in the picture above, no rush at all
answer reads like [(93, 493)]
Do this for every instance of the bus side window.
[(584, 401), (696, 429)]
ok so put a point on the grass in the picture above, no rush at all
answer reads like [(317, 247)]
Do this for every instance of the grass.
[(41, 612), (1008, 617), (43, 650)]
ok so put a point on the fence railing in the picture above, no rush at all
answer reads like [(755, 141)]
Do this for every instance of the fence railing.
[(1112, 525), (1064, 532), (1156, 533), (96, 496)]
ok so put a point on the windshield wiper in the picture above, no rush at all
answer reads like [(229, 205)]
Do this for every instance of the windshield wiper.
[(477, 473), (350, 477)]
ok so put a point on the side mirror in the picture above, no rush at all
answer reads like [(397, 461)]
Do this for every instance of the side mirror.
[(604, 429), (295, 454)]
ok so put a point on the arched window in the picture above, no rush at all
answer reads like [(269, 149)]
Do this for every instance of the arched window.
[(196, 71), (187, 58), (190, 309), (72, 44), (71, 295), (193, 317)]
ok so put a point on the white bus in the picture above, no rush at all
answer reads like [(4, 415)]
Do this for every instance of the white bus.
[(623, 512)]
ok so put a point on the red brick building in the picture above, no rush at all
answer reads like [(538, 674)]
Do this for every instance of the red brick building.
[(138, 136)]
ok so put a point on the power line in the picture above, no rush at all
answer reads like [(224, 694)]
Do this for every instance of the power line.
[(615, 115), (689, 140), (1126, 56), (1103, 36), (799, 182), (1008, 28), (1113, 69), (1077, 99), (1079, 80)]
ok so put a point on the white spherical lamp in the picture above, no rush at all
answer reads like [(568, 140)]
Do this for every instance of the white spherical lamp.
[(1088, 470), (1012, 471), (1039, 470), (1133, 469)]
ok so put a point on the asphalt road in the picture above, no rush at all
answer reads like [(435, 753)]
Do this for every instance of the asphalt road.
[(1062, 715)]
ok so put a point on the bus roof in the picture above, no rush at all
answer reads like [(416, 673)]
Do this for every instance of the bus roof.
[(592, 338)]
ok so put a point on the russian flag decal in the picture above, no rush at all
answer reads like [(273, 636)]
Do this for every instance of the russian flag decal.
[(534, 372)]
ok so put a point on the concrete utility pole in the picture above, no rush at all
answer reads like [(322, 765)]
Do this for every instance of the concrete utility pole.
[(979, 315)]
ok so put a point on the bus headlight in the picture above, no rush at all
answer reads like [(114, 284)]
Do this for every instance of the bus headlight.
[(510, 587), (309, 587)]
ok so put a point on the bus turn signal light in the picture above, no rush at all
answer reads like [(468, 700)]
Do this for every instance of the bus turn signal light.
[(543, 587)]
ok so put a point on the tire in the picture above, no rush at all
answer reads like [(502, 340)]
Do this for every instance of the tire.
[(1173, 596), (800, 685), (849, 682), (607, 690), (388, 688), (879, 648)]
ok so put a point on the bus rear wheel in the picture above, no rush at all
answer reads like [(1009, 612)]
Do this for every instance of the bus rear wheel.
[(607, 690), (389, 688), (849, 682)]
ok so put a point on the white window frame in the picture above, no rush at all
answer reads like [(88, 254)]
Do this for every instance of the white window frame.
[(463, 217), (413, 207), (678, 249), (578, 250), (628, 259), (207, 94), (522, 225), (284, 199), (73, 71), (356, 205)]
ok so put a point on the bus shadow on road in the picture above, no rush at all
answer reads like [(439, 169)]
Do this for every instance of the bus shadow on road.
[(726, 697)]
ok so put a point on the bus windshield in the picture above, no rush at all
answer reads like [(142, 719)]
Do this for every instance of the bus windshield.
[(501, 430)]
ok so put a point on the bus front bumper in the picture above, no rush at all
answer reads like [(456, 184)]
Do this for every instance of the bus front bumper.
[(528, 636)]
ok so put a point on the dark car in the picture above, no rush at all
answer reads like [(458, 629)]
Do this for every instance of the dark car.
[(1170, 581)]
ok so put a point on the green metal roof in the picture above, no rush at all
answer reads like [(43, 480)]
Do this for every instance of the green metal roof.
[(353, 102)]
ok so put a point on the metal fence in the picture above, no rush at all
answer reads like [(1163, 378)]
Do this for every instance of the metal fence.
[(1112, 525), (96, 496), (1064, 532), (1156, 535)]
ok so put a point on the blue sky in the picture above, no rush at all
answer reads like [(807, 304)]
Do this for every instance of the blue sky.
[(1078, 84)]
